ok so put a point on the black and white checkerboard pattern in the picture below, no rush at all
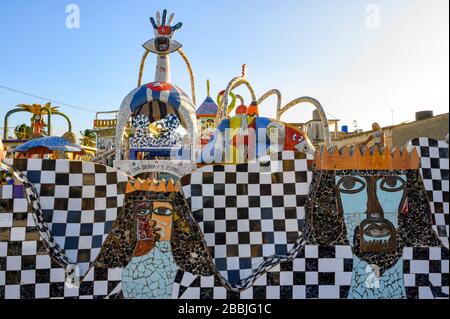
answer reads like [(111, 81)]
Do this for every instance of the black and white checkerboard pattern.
[(324, 273), (434, 166), (317, 272), (426, 272), (250, 214), (32, 264), (18, 198), (28, 272), (80, 202)]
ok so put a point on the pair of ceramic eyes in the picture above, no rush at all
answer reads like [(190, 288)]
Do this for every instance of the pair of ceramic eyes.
[(297, 138), (352, 184), (158, 211)]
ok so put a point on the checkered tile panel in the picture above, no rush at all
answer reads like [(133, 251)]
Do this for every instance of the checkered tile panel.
[(426, 272), (26, 268), (23, 192), (251, 214), (80, 202), (434, 166), (28, 272), (317, 272), (324, 272)]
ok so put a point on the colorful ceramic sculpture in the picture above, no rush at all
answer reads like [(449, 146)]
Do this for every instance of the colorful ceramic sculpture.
[(260, 214)]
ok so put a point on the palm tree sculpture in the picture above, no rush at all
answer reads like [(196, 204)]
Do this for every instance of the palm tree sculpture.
[(37, 122), (23, 132), (88, 138)]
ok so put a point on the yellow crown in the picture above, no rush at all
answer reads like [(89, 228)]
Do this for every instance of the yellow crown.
[(363, 158), (154, 185)]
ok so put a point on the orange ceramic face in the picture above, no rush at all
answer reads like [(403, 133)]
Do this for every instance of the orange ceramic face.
[(146, 232), (162, 215), (2, 151), (146, 236)]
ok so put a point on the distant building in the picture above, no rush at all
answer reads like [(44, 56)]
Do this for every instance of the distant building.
[(105, 130), (425, 124), (314, 129), (436, 127)]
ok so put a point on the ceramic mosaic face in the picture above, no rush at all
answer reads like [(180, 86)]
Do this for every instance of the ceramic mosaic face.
[(370, 205), (153, 223), (2, 150), (377, 212), (162, 215)]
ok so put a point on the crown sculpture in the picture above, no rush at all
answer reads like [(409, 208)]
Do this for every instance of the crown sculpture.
[(154, 185), (363, 158)]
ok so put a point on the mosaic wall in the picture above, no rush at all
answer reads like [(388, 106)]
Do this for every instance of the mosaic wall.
[(272, 229), (434, 169), (369, 234), (47, 244), (250, 214)]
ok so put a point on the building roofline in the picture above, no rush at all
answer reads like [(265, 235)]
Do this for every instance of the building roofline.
[(396, 125)]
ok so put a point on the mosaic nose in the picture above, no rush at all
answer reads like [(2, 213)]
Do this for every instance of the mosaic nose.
[(374, 208)]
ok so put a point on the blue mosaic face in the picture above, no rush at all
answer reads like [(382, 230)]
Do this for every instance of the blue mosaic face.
[(372, 204)]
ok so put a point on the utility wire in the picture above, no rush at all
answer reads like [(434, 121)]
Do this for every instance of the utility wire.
[(47, 99), (70, 105), (335, 117)]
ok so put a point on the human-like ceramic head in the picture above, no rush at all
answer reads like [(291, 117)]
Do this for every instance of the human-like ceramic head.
[(374, 202), (2, 150), (370, 203)]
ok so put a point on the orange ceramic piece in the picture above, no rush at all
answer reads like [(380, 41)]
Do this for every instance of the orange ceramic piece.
[(363, 159)]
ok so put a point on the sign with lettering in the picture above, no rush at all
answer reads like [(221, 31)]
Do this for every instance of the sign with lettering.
[(178, 168)]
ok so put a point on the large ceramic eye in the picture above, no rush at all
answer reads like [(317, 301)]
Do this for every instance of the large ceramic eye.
[(392, 184), (143, 212), (351, 184), (162, 211)]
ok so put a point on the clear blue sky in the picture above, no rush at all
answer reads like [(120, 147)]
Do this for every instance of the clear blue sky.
[(318, 48)]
